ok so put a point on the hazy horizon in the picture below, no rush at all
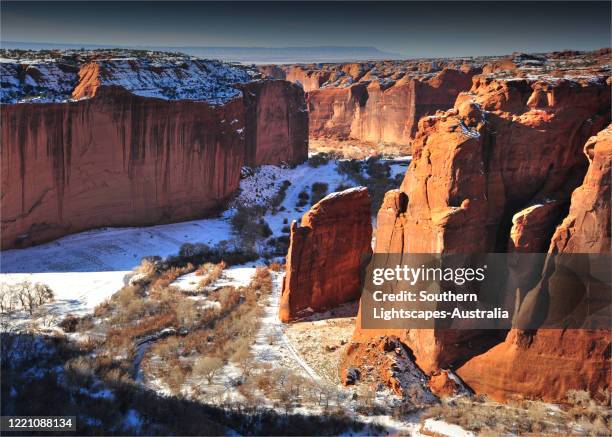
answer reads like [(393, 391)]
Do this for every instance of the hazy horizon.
[(401, 29)]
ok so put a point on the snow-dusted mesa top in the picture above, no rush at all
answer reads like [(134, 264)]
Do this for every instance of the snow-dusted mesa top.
[(36, 81), (170, 77)]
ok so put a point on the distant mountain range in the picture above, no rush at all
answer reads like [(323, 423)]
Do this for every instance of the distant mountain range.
[(246, 55)]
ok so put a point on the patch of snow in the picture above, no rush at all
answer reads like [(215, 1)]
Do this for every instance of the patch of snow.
[(441, 428)]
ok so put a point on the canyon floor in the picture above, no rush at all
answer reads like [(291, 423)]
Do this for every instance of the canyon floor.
[(87, 271)]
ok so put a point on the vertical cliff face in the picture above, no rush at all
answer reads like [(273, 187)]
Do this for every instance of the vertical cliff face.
[(548, 362), (116, 159), (495, 174), (145, 143), (275, 114), (325, 254), (382, 111), (507, 147)]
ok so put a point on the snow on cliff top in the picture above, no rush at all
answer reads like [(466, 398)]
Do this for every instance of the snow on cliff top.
[(32, 79)]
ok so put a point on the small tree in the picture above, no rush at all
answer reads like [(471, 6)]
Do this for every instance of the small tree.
[(243, 358), (208, 367)]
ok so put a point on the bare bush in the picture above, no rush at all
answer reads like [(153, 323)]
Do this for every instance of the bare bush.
[(319, 191), (207, 367), (213, 274)]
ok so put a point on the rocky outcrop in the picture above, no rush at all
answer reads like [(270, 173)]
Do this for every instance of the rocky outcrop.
[(388, 361), (586, 229), (548, 362), (325, 254), (139, 143), (492, 159), (495, 174), (379, 111)]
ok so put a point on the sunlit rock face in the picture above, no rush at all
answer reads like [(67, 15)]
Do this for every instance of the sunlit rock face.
[(496, 174), (325, 254), (126, 142), (383, 111)]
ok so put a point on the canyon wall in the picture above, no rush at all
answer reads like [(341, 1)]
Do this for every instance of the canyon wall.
[(127, 149), (548, 362), (325, 254), (114, 160), (276, 115), (495, 174), (382, 112)]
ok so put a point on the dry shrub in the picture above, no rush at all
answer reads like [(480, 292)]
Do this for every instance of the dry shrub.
[(207, 367), (319, 191), (69, 323), (213, 274), (204, 269), (188, 313), (525, 416), (228, 297)]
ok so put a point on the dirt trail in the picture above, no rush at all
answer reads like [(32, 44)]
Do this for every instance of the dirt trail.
[(271, 343)]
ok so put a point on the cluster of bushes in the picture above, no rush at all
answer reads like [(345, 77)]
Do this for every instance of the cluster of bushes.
[(224, 334), (527, 416), (277, 200), (378, 181), (319, 191), (249, 225)]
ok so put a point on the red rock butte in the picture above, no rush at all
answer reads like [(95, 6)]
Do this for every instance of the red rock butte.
[(496, 174)]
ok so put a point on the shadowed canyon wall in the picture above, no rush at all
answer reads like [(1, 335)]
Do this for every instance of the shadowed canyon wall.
[(548, 362)]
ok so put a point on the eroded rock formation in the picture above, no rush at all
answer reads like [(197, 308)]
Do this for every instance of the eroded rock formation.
[(548, 362), (382, 101), (495, 174), (379, 111), (325, 254), (143, 143)]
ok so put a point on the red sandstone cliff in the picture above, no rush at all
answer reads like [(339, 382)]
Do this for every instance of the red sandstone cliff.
[(119, 158), (114, 160), (377, 112), (495, 174), (548, 362), (325, 254), (276, 115)]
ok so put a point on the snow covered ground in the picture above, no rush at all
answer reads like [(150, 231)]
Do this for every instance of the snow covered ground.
[(234, 276), (85, 269), (170, 78)]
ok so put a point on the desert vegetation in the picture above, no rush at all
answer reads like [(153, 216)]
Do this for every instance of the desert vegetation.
[(23, 296), (580, 414)]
